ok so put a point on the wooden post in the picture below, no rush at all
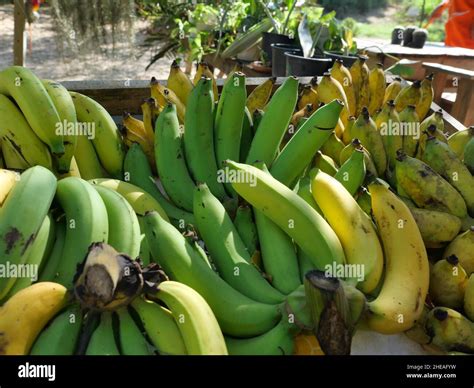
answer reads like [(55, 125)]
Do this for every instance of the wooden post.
[(19, 30)]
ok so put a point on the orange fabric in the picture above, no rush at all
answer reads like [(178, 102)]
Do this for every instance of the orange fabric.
[(460, 24)]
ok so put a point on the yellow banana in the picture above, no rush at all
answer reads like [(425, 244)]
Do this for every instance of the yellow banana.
[(259, 97), (463, 247), (135, 132), (8, 179), (376, 88), (353, 228), (469, 298), (87, 160), (402, 295), (203, 70), (424, 104), (148, 110), (410, 129), (164, 96), (179, 82), (344, 77), (458, 140), (360, 79), (392, 90), (328, 90), (308, 95), (409, 95), (25, 314), (298, 117), (13, 160), (448, 282)]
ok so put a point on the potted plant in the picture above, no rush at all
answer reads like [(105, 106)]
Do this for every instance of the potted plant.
[(340, 43)]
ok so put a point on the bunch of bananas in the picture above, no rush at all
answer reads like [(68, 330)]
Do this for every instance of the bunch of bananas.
[(194, 230)]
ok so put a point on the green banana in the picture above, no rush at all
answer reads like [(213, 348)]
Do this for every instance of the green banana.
[(352, 173), (278, 254), (237, 314), (40, 248), (124, 229), (247, 135), (348, 150), (67, 113), (21, 217), (364, 200), (227, 249), (102, 342), (132, 342), (86, 224), (144, 255), (463, 246), (304, 191), (229, 121), (469, 156), (458, 140), (290, 212), (299, 151), (15, 131), (447, 283), (60, 337), (431, 126), (279, 341), (199, 138), (87, 159), (246, 227), (325, 163), (106, 137), (274, 123), (137, 171), (305, 263), (48, 272), (388, 124), (30, 95), (196, 322), (170, 163), (426, 187), (160, 327), (410, 122), (366, 131), (333, 147), (445, 162), (450, 330), (469, 298), (409, 95)]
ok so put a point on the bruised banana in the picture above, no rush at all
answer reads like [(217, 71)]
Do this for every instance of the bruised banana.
[(450, 330), (31, 96), (330, 89), (17, 133), (445, 162), (165, 96), (426, 98), (427, 188), (33, 194), (307, 96), (463, 247), (469, 298), (401, 299)]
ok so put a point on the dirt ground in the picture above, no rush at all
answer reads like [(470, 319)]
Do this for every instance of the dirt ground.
[(48, 61)]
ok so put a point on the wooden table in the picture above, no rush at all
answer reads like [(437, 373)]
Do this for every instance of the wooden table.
[(432, 52)]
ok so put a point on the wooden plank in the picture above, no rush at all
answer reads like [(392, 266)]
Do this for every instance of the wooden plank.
[(463, 106), (451, 70), (18, 33), (439, 84)]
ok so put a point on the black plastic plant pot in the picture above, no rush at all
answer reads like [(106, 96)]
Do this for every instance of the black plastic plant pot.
[(347, 60), (269, 38), (279, 59), (298, 65), (397, 35)]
